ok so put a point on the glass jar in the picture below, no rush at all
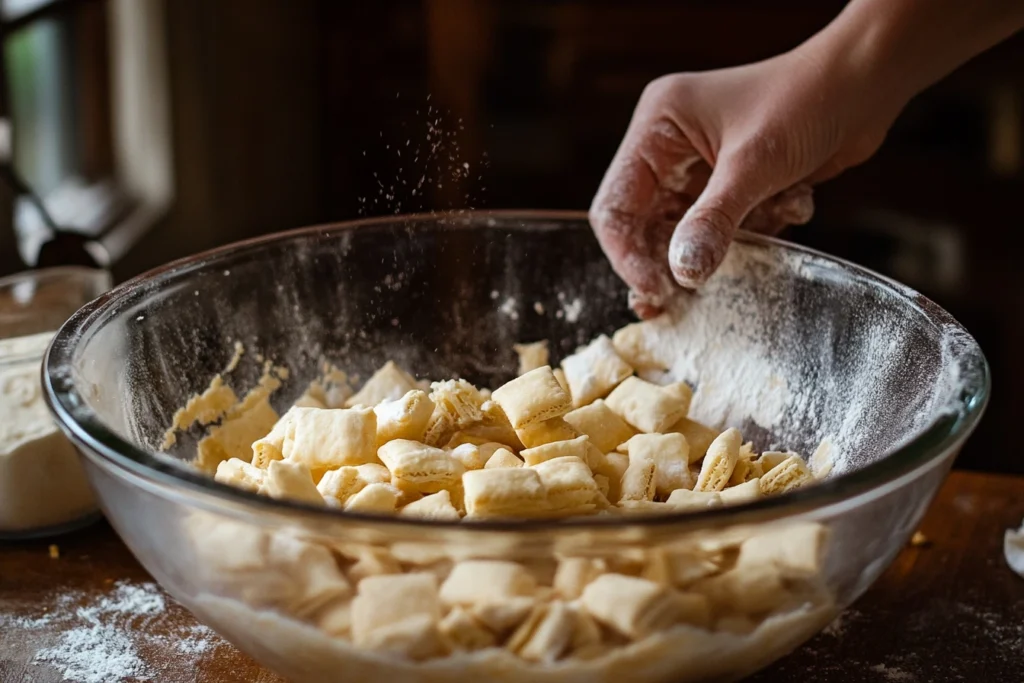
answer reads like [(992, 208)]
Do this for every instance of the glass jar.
[(43, 488)]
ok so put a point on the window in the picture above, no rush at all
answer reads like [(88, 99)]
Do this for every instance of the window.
[(87, 103)]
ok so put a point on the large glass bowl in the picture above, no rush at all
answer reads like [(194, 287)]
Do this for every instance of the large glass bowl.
[(886, 377)]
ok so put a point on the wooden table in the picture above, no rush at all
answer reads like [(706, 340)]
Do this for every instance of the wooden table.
[(948, 610)]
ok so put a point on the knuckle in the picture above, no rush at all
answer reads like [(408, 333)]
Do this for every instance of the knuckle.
[(715, 220), (664, 88)]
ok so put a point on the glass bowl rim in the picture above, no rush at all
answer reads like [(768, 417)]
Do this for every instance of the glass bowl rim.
[(112, 452)]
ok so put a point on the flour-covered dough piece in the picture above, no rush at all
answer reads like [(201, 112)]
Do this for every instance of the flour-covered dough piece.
[(494, 427), (390, 382), (680, 391), (647, 407), (337, 486), (574, 573), (632, 343), (471, 456), (638, 481), (594, 370), (533, 397), (796, 551), (463, 633), (607, 431), (570, 486), (245, 424), (546, 635), (769, 460), (457, 405), (616, 466), (398, 613), (291, 481), (671, 456), (271, 446), (240, 474), (746, 492), (684, 499), (501, 616), (562, 381), (460, 401), (403, 418), (679, 569), (374, 498), (437, 506), (531, 356), (504, 492), (698, 435), (548, 431), (425, 468), (324, 439), (822, 461), (486, 581), (747, 468), (637, 608), (559, 449), (503, 458), (719, 462), (790, 474)]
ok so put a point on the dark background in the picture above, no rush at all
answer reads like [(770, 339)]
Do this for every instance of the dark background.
[(290, 112)]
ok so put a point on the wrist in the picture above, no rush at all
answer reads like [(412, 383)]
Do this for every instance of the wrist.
[(865, 64), (901, 47)]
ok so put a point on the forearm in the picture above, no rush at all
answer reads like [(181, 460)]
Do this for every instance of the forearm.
[(904, 46)]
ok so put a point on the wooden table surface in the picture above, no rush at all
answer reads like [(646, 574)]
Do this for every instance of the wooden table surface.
[(949, 610)]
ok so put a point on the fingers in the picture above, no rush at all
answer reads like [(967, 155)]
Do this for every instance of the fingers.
[(794, 206), (702, 237), (621, 217), (653, 179)]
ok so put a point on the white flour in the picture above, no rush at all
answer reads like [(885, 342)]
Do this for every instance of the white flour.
[(787, 366), (41, 480), (110, 637), (95, 654), (508, 307), (570, 310)]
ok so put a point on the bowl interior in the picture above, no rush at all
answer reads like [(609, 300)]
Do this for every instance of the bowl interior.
[(791, 346)]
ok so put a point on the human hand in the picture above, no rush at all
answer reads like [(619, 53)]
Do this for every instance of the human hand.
[(708, 153)]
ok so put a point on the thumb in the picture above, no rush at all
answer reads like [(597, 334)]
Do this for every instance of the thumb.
[(702, 237)]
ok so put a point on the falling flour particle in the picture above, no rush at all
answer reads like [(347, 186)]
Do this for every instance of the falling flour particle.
[(572, 310), (509, 308)]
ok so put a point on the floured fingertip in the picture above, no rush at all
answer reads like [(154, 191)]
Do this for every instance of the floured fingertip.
[(694, 254)]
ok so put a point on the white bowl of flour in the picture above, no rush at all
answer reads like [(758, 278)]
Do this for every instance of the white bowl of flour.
[(43, 488)]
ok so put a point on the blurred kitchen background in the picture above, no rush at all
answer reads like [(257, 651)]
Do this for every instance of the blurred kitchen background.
[(158, 128)]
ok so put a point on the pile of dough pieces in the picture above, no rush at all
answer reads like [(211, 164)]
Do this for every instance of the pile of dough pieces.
[(589, 437), (638, 611)]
